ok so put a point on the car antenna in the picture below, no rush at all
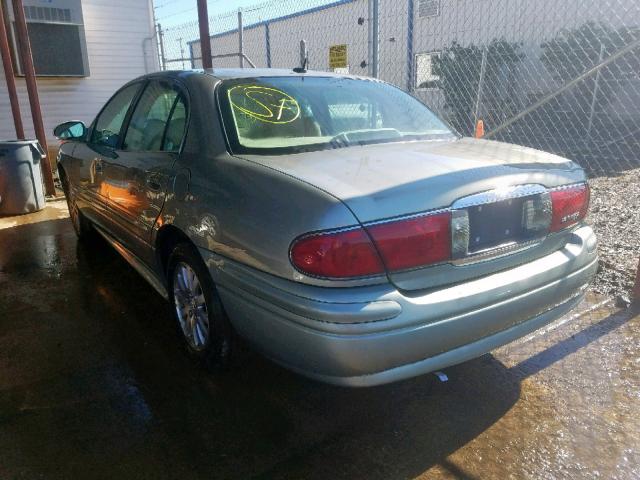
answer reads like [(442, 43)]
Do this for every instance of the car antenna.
[(304, 58)]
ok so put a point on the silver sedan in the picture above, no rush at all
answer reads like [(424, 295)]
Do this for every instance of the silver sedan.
[(334, 222)]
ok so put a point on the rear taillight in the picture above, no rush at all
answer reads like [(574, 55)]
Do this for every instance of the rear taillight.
[(413, 242), (344, 254), (421, 240), (570, 206), (403, 244)]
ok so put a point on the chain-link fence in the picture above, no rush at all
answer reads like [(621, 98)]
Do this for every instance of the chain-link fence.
[(560, 76)]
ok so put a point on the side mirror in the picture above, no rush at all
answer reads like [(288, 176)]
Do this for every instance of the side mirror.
[(73, 130)]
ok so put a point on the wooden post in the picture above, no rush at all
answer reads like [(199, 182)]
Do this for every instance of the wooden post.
[(205, 38), (32, 90), (10, 78), (636, 287)]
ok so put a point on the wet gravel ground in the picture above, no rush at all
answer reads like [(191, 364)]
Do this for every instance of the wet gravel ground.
[(94, 384), (615, 215)]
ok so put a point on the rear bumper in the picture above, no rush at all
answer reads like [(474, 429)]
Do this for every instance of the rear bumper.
[(373, 335)]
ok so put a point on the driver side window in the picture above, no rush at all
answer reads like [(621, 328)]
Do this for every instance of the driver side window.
[(107, 127)]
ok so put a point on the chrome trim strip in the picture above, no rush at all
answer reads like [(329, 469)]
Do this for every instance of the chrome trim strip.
[(498, 194), (408, 217), (496, 252), (460, 229), (569, 186)]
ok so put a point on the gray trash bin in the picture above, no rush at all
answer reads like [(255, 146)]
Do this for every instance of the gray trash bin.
[(21, 189)]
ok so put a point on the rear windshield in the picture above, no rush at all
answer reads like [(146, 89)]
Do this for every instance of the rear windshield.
[(280, 115)]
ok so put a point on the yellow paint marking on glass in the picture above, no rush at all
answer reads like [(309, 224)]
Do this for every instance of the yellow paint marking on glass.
[(266, 104)]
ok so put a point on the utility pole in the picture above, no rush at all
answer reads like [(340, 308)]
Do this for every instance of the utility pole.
[(205, 38)]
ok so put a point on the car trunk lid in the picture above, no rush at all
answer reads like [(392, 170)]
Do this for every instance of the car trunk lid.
[(387, 181)]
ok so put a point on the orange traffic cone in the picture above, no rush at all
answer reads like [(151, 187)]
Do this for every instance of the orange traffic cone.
[(480, 129)]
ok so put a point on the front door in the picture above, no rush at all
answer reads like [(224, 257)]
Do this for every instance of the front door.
[(137, 178), (101, 146)]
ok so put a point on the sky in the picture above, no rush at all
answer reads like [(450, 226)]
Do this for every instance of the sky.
[(175, 12), (171, 13), (179, 19)]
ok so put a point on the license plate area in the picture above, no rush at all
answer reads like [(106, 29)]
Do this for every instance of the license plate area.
[(499, 222), (495, 224)]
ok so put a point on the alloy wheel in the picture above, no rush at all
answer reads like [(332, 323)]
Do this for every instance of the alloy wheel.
[(191, 306)]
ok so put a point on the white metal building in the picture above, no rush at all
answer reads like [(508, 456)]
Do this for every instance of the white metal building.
[(411, 33), (83, 51)]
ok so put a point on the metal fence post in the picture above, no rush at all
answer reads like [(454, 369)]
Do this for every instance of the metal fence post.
[(483, 69), (410, 60), (595, 91), (181, 51), (163, 60), (375, 37), (267, 39), (240, 39)]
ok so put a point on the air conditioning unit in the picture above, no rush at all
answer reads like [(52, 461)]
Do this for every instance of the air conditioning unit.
[(56, 34)]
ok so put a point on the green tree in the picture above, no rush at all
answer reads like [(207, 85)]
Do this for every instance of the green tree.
[(459, 68), (574, 51)]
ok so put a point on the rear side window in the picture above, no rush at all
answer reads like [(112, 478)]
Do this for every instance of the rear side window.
[(107, 126), (158, 121)]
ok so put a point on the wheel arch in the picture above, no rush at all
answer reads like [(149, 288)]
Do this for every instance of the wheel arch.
[(167, 238)]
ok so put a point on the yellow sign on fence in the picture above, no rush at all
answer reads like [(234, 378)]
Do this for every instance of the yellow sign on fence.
[(338, 56)]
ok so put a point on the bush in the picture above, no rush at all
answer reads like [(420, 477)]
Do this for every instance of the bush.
[(574, 51), (459, 70)]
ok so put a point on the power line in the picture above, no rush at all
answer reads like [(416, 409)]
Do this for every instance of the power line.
[(169, 2), (176, 13), (173, 14), (164, 4)]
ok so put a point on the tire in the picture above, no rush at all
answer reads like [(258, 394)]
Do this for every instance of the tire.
[(197, 309), (81, 225)]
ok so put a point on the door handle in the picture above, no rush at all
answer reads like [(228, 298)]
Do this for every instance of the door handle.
[(153, 183)]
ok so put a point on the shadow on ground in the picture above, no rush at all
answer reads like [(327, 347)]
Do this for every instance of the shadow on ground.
[(97, 385)]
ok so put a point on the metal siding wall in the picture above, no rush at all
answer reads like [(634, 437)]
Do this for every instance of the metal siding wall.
[(114, 32), (321, 29)]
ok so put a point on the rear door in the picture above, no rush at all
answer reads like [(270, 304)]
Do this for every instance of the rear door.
[(137, 178), (101, 146)]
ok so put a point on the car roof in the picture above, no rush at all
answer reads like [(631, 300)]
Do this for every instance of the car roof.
[(237, 73), (231, 73)]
